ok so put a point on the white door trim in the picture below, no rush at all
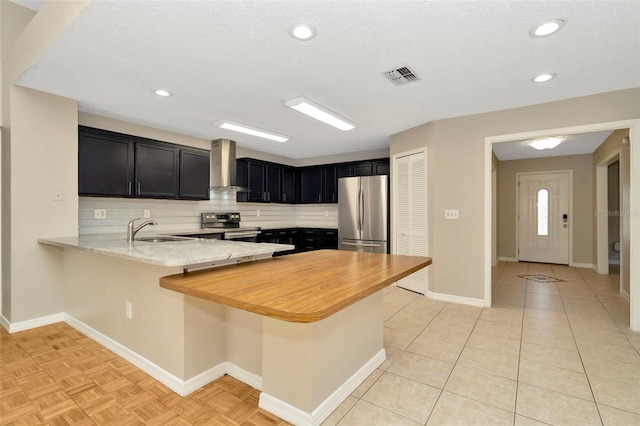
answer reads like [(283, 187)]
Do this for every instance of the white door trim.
[(634, 213), (571, 218), (602, 223)]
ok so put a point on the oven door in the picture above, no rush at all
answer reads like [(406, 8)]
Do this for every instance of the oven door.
[(247, 236)]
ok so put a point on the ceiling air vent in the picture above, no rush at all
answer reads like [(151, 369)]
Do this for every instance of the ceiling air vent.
[(402, 75)]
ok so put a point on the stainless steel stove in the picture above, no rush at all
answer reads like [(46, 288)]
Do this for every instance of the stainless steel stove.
[(230, 222)]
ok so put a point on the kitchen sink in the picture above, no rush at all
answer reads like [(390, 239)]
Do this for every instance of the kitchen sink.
[(163, 239)]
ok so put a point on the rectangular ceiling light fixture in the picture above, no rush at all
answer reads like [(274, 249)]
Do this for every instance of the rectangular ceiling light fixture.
[(249, 130), (319, 112)]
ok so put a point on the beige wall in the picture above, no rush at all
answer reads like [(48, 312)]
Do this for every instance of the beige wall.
[(582, 221), (39, 157), (455, 175), (612, 146)]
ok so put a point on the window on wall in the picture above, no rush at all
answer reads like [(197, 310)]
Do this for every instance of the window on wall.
[(543, 212)]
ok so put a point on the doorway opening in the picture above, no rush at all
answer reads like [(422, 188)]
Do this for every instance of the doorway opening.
[(631, 213)]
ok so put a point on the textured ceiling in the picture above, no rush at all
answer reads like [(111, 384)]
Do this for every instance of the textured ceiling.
[(236, 60)]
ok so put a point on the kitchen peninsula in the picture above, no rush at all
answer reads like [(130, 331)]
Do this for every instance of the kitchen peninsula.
[(306, 329)]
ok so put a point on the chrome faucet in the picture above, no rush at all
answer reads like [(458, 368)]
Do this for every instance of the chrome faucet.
[(132, 231)]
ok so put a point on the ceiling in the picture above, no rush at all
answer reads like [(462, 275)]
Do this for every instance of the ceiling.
[(236, 60)]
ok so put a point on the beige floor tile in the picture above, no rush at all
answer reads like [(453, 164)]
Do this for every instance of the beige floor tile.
[(509, 331), (592, 350), (550, 325), (611, 337), (403, 396), (539, 337), (484, 387), (340, 412), (501, 365), (556, 379), (615, 394), (503, 301), (459, 310), (423, 369), (397, 339), (454, 333), (453, 409), (437, 348), (536, 313), (544, 301), (502, 315), (494, 344), (369, 381), (550, 289), (392, 355), (561, 358), (423, 302), (614, 417), (410, 320), (555, 408), (365, 413), (526, 421)]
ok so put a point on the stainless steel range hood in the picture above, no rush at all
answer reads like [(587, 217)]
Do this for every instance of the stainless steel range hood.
[(223, 166)]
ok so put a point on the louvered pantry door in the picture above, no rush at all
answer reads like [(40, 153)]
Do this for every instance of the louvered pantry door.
[(410, 188)]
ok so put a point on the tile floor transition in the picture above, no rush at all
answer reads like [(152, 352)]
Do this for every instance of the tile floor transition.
[(545, 353)]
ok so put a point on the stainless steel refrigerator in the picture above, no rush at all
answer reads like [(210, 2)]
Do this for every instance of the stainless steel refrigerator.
[(363, 214)]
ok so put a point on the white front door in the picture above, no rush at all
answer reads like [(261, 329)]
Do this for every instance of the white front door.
[(543, 217), (410, 197)]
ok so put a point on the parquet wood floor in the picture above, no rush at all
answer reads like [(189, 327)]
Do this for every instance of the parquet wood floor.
[(54, 375)]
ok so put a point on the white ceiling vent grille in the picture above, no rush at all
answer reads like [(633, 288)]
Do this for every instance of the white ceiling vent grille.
[(402, 75)]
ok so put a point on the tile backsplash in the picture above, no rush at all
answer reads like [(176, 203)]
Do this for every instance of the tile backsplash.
[(177, 215)]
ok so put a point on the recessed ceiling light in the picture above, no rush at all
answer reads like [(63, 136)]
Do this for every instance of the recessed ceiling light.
[(161, 92), (546, 143), (319, 112), (302, 32), (547, 28), (250, 130), (543, 77)]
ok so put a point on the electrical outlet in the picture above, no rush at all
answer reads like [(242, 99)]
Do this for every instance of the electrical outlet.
[(147, 213), (99, 214), (452, 214), (326, 213), (258, 213), (57, 195), (128, 310)]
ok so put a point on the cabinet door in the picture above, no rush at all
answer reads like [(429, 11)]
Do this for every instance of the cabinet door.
[(329, 185), (381, 168), (289, 185), (156, 170), (273, 187), (256, 180), (194, 174), (105, 164), (363, 168), (344, 170), (311, 185)]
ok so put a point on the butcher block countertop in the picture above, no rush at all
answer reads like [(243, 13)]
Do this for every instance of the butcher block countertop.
[(304, 287)]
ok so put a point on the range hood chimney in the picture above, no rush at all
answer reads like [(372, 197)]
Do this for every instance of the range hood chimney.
[(223, 166)]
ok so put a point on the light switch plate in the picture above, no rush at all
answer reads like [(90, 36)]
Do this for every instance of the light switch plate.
[(452, 214)]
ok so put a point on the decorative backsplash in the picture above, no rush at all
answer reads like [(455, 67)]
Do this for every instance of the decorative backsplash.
[(174, 215)]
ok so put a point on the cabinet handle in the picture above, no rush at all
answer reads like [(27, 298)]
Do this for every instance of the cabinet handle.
[(138, 188), (129, 188), (284, 198), (319, 197), (268, 196), (333, 196)]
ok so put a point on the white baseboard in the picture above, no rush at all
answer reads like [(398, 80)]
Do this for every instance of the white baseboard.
[(582, 265), (298, 417), (458, 299), (5, 323), (507, 259), (251, 379), (625, 294), (14, 327), (179, 386)]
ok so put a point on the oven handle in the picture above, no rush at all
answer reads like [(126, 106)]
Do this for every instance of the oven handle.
[(232, 235)]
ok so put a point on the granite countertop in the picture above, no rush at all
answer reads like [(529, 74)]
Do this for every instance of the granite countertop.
[(187, 251)]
